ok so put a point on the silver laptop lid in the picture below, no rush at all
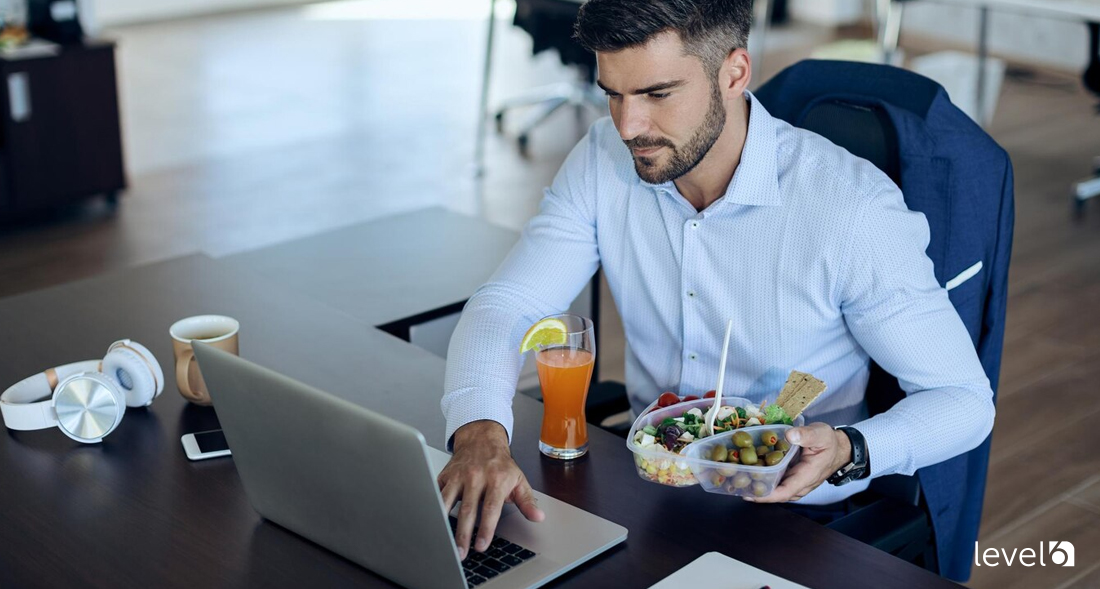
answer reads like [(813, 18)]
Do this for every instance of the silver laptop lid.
[(311, 461)]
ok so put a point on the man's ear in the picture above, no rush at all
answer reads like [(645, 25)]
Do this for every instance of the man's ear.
[(736, 73)]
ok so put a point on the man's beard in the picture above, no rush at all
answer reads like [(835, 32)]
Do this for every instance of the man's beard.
[(683, 159)]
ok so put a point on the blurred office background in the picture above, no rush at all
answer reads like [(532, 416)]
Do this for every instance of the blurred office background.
[(246, 123)]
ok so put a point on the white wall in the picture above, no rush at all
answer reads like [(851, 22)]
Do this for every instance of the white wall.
[(101, 13)]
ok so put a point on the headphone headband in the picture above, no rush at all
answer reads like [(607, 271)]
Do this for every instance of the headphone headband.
[(26, 405)]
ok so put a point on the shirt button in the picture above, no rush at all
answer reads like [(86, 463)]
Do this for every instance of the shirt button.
[(693, 356), (694, 224), (691, 293)]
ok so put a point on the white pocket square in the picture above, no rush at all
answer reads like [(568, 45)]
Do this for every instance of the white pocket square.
[(964, 275)]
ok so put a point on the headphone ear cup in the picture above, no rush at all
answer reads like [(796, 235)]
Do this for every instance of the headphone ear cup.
[(89, 406), (132, 375), (150, 360)]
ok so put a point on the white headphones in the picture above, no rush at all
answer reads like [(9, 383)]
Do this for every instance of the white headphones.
[(86, 400)]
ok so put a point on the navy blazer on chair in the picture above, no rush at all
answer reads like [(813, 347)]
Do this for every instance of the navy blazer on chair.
[(954, 173)]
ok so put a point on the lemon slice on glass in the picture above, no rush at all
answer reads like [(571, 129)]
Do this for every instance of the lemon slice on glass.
[(547, 332)]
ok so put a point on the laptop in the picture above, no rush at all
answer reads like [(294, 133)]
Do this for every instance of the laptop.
[(364, 486)]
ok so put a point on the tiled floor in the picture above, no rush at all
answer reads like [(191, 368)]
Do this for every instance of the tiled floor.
[(249, 129)]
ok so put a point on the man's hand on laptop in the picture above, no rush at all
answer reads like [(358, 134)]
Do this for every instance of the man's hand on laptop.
[(482, 473)]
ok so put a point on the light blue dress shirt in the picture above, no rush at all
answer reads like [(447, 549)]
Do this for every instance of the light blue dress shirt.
[(811, 252)]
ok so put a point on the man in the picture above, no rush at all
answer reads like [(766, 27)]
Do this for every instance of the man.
[(701, 207)]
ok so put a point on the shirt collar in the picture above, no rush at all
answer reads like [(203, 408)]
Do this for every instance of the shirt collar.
[(756, 180)]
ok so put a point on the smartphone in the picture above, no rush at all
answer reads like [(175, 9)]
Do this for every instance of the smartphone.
[(203, 445)]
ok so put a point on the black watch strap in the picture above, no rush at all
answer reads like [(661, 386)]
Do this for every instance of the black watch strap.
[(859, 467)]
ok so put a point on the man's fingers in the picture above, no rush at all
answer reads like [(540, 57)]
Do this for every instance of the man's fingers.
[(450, 491), (797, 479), (471, 496), (490, 515), (814, 435), (780, 494), (524, 498)]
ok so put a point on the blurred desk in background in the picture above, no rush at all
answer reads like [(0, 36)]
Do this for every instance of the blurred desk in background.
[(888, 15)]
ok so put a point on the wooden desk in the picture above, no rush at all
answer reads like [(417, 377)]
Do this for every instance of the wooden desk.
[(134, 512)]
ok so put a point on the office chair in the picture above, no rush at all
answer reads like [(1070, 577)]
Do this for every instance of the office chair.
[(950, 170), (1090, 187), (550, 24)]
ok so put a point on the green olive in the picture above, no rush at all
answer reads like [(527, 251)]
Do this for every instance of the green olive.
[(742, 440), (733, 456), (717, 479), (783, 445), (768, 437), (748, 456), (757, 476), (761, 450), (773, 458), (759, 488), (741, 480), (718, 453)]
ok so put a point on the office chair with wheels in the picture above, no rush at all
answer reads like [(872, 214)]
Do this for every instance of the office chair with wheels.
[(550, 24), (950, 170)]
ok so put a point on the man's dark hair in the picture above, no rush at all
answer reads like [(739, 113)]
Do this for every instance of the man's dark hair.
[(709, 29)]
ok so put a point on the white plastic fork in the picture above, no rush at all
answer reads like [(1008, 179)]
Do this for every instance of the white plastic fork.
[(712, 413)]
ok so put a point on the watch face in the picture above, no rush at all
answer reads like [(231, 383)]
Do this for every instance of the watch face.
[(850, 472)]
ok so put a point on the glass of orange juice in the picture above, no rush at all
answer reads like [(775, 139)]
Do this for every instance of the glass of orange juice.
[(565, 371)]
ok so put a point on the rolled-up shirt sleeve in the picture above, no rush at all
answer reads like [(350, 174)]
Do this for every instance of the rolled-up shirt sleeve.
[(903, 319), (555, 257)]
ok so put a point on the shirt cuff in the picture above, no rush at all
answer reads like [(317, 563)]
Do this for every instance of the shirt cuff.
[(462, 413), (888, 449)]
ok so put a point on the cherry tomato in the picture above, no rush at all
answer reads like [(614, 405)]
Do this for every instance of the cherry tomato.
[(710, 394), (667, 398), (691, 398)]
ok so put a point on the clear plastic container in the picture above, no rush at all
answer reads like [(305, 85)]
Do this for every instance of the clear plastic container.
[(658, 465), (739, 480)]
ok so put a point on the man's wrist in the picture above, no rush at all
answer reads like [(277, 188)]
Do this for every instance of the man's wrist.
[(844, 450), (483, 430)]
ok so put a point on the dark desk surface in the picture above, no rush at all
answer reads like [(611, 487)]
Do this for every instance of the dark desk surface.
[(133, 511), (390, 269)]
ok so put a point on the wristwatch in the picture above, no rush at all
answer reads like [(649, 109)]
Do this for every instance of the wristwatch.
[(859, 467)]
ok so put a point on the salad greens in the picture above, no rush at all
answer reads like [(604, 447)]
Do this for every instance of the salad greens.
[(776, 414)]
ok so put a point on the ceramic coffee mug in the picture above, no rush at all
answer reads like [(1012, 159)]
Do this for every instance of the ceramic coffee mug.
[(218, 331)]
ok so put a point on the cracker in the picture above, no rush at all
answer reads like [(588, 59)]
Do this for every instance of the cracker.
[(800, 390), (795, 382)]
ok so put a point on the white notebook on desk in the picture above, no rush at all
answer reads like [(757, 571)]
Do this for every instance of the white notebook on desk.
[(717, 570)]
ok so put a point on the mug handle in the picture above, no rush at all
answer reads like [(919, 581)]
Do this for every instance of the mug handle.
[(183, 366)]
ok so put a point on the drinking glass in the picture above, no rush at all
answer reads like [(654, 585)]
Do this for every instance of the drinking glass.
[(565, 371)]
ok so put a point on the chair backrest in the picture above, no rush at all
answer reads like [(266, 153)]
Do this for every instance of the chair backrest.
[(961, 180), (865, 131), (550, 24), (1091, 76)]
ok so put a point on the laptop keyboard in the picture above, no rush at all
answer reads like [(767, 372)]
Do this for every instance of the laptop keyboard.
[(500, 558)]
